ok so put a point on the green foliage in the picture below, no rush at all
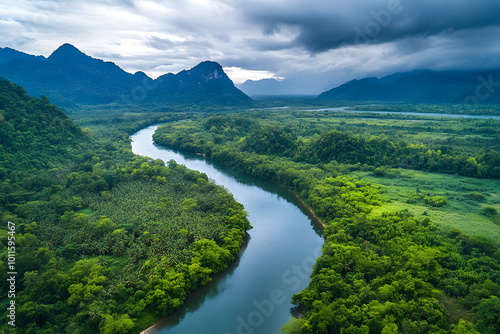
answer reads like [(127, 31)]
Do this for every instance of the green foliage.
[(436, 201), (103, 244), (464, 327), (272, 140), (293, 326), (33, 133), (490, 211), (475, 197), (379, 272), (488, 110), (116, 325)]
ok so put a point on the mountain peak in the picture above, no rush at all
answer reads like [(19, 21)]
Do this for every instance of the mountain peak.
[(209, 64), (67, 52), (209, 70)]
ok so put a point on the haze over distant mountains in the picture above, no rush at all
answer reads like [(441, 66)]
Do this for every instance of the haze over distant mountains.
[(272, 87), (69, 77), (422, 86)]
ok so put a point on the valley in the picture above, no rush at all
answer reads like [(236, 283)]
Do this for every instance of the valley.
[(192, 198)]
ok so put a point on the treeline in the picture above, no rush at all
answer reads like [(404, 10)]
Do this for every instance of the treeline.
[(390, 273), (338, 146), (106, 242), (351, 149)]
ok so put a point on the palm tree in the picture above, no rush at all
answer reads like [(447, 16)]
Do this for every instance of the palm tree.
[(57, 263), (104, 249), (117, 250), (102, 261)]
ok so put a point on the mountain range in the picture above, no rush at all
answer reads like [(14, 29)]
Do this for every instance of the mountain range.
[(423, 86), (68, 77)]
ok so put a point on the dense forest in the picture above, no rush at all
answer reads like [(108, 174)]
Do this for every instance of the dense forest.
[(108, 242), (104, 241), (381, 271)]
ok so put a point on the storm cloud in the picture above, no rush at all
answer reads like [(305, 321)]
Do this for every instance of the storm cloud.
[(325, 25), (315, 43)]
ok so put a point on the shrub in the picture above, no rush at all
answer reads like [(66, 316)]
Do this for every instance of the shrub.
[(436, 201), (489, 211), (478, 197)]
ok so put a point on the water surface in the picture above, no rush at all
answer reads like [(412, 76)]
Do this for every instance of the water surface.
[(346, 109), (253, 294)]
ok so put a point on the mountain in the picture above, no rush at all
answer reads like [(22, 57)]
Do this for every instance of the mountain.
[(69, 77), (422, 86), (206, 83), (8, 54), (33, 132)]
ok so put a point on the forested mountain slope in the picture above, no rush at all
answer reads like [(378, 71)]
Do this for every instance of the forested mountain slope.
[(104, 241), (424, 86), (33, 132), (68, 77)]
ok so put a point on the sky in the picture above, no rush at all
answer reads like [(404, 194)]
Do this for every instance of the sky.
[(315, 44)]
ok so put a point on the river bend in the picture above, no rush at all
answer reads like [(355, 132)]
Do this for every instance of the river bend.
[(253, 294)]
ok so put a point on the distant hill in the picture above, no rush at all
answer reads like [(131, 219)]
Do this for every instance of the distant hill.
[(422, 86), (69, 77)]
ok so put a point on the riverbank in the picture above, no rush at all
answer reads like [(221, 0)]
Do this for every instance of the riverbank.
[(279, 225), (304, 206)]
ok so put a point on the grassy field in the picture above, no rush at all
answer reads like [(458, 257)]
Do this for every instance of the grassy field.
[(468, 200), (470, 203)]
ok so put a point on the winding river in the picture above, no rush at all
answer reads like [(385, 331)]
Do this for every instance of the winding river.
[(253, 294)]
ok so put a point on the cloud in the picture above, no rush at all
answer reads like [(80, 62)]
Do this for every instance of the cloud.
[(240, 75), (329, 25), (315, 43)]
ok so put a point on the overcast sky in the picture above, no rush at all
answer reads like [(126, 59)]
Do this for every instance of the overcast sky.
[(317, 43)]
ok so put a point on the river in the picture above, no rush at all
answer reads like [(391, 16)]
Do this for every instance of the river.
[(253, 294), (346, 109)]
